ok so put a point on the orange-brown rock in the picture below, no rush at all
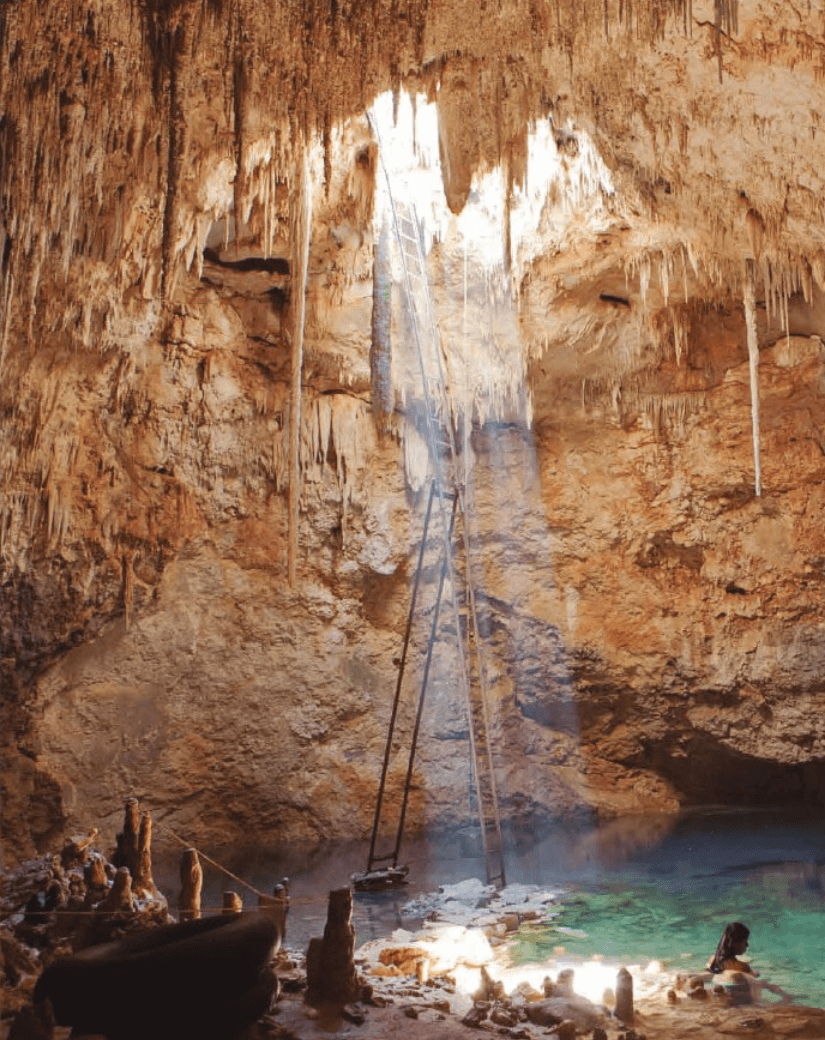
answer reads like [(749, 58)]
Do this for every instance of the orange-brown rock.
[(595, 180)]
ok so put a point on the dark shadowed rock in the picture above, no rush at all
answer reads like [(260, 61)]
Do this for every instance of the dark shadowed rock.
[(206, 978)]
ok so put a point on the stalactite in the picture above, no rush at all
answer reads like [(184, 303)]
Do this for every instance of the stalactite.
[(127, 564), (5, 315), (749, 296), (416, 457), (240, 114), (506, 218), (300, 232), (381, 345), (818, 269), (756, 232), (681, 331), (327, 147), (726, 20), (179, 43)]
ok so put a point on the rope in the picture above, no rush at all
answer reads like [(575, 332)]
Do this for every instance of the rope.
[(186, 844), (212, 862), (101, 914)]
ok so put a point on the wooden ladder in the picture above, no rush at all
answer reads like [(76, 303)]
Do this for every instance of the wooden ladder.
[(447, 500)]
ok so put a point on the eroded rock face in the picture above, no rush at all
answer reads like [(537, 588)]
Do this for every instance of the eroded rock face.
[(653, 629)]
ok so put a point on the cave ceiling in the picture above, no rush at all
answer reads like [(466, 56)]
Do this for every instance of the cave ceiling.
[(132, 128), (621, 207)]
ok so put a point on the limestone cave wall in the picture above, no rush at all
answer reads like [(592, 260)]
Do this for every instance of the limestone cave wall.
[(213, 493)]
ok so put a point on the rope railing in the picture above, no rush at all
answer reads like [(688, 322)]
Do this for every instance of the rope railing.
[(44, 912)]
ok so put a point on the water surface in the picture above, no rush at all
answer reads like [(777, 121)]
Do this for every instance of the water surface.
[(634, 890)]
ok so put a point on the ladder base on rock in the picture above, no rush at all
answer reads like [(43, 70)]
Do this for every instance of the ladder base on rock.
[(380, 880)]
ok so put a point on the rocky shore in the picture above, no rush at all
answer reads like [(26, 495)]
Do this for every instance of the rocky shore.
[(451, 977)]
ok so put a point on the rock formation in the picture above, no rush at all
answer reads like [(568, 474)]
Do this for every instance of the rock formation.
[(212, 450)]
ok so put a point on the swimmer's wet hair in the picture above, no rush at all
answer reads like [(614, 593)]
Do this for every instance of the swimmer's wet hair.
[(729, 945)]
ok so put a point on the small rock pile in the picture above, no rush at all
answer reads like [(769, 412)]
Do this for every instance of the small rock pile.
[(54, 905)]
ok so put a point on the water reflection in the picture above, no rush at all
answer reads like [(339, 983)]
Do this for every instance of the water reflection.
[(659, 887)]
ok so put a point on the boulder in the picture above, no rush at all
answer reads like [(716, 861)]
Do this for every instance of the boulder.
[(554, 1010), (207, 978)]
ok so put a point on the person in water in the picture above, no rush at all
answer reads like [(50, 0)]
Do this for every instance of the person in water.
[(731, 946), (734, 942)]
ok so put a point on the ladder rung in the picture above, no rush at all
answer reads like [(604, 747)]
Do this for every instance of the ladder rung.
[(425, 331)]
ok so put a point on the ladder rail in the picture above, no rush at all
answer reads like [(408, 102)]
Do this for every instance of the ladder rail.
[(465, 683), (448, 567), (421, 696), (482, 679), (464, 678), (469, 583), (394, 715)]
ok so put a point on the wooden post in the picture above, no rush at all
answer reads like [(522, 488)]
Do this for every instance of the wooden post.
[(232, 903), (277, 905), (191, 881)]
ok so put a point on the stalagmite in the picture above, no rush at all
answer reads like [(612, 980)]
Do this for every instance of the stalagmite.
[(753, 357), (191, 880), (143, 883), (95, 873), (624, 996), (97, 886), (331, 974), (126, 853), (300, 235), (120, 894)]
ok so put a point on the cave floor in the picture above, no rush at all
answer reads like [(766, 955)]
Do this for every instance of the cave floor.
[(413, 1017)]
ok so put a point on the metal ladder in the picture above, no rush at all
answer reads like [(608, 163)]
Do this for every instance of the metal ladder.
[(445, 488)]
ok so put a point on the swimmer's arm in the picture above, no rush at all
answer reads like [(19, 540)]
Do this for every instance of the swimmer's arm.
[(773, 988)]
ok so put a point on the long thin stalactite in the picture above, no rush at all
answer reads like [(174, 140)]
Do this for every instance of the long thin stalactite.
[(300, 237), (749, 296)]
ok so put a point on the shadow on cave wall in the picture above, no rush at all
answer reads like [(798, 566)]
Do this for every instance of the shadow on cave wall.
[(708, 772)]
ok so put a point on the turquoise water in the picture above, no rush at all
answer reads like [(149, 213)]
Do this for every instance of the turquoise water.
[(668, 894), (640, 889)]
